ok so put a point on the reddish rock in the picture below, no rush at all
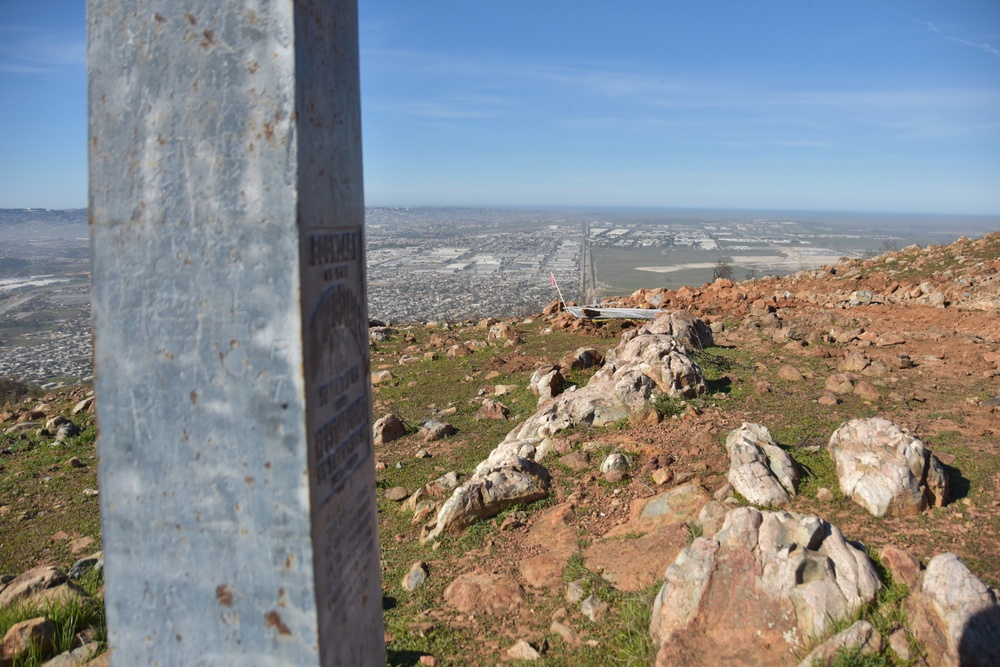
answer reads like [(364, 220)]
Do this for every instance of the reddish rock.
[(435, 430), (38, 631), (459, 350), (486, 593), (552, 530), (575, 461), (889, 339), (584, 357), (839, 383), (491, 409), (501, 331), (555, 306), (955, 615), (30, 582), (388, 428), (867, 391), (662, 475), (790, 373), (678, 505), (634, 563), (80, 545), (904, 566), (855, 361)]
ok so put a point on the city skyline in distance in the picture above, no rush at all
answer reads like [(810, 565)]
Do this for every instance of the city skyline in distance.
[(880, 106)]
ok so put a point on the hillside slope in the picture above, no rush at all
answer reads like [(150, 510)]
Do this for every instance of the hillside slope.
[(912, 337)]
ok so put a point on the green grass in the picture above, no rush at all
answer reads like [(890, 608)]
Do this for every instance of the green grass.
[(667, 406), (69, 618), (854, 658), (886, 613), (623, 635), (44, 494)]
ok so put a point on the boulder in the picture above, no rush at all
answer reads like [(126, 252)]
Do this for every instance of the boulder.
[(21, 636), (491, 409), (501, 331), (415, 576), (860, 639), (760, 470), (794, 575), (584, 357), (433, 429), (388, 428), (381, 377), (840, 383), (546, 383), (684, 327), (885, 469), (644, 366), (790, 373), (615, 461), (379, 334), (28, 583), (486, 593), (955, 615), (522, 650), (487, 494)]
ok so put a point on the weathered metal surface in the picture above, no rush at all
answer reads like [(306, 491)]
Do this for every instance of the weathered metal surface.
[(231, 357), (601, 313)]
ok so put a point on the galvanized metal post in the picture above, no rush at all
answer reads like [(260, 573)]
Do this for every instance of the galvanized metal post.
[(231, 349)]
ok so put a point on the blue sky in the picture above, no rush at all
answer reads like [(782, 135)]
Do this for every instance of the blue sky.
[(857, 105)]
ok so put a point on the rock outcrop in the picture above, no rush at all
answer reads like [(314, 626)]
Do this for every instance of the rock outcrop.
[(489, 493), (794, 575), (885, 469), (645, 365), (759, 469), (955, 615), (861, 639), (546, 383), (687, 329)]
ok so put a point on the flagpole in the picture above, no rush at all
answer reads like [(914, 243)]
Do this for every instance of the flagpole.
[(557, 288)]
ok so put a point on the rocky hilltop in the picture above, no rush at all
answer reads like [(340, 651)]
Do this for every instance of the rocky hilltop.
[(792, 471)]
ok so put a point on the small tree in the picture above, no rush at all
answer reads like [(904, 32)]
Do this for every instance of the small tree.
[(723, 268), (750, 274), (890, 245)]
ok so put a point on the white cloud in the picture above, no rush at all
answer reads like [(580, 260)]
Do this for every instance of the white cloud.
[(982, 46), (34, 51)]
